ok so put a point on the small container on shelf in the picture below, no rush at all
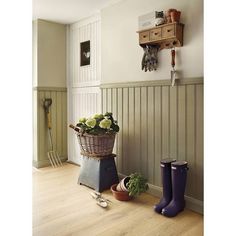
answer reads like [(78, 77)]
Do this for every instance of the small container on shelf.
[(175, 16), (168, 15)]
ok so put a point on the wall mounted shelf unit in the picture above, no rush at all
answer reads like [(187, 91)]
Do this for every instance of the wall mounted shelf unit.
[(166, 35)]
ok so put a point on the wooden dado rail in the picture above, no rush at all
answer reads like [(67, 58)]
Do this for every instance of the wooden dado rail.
[(158, 121)]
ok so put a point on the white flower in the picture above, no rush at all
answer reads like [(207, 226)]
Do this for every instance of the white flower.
[(105, 124), (98, 116), (82, 120), (91, 122)]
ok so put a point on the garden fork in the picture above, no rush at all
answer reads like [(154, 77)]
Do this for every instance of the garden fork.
[(52, 155)]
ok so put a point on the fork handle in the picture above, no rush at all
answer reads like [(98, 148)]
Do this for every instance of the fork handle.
[(49, 120)]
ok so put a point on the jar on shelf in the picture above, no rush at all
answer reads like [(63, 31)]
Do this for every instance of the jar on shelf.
[(175, 16), (168, 15)]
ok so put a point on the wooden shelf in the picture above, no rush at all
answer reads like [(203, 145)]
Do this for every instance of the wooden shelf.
[(166, 35)]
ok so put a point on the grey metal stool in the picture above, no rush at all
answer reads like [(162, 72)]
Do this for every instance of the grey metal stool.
[(98, 173)]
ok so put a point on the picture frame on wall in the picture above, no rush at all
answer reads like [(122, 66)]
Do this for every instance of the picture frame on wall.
[(85, 53)]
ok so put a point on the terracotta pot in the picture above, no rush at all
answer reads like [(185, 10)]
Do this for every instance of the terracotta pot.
[(120, 195), (168, 19), (122, 185), (167, 15), (169, 11), (175, 16)]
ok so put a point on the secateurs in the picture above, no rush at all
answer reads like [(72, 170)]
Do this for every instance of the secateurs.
[(101, 201)]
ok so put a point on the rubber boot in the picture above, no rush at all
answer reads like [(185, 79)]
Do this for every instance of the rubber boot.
[(179, 176), (166, 183)]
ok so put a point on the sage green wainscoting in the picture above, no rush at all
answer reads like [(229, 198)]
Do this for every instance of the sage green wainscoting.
[(58, 111), (158, 121)]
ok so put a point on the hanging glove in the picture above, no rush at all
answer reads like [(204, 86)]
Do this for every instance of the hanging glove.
[(150, 60)]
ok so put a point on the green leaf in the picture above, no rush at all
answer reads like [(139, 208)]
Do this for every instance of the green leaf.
[(137, 184)]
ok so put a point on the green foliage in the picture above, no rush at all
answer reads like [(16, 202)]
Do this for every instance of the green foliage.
[(98, 124), (137, 184)]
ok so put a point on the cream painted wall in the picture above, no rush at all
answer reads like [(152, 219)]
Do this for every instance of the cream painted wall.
[(49, 81), (51, 54), (34, 50), (122, 55)]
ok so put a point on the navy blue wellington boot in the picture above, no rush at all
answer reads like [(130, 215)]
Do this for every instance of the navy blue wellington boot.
[(179, 176), (166, 183)]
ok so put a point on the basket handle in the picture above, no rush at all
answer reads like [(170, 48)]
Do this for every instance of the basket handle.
[(74, 128)]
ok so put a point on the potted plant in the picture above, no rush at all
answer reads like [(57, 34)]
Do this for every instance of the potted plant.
[(96, 134), (129, 187)]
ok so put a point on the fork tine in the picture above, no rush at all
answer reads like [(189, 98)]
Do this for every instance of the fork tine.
[(58, 158), (49, 157), (53, 159)]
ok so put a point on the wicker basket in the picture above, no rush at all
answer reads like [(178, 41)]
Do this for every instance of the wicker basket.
[(96, 145)]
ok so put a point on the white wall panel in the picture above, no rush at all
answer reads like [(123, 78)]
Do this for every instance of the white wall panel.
[(84, 103), (84, 97), (89, 75)]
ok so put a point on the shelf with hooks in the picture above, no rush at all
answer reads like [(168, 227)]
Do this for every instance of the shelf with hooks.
[(166, 36)]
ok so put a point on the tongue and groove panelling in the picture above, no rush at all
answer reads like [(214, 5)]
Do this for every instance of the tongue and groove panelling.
[(58, 112), (158, 121)]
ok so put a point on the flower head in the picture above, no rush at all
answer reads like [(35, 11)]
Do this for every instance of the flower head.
[(105, 123), (91, 122), (82, 120), (98, 116), (98, 124)]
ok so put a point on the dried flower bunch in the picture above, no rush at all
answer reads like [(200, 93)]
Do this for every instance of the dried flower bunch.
[(98, 124)]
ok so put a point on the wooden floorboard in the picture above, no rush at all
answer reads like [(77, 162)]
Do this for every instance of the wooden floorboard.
[(62, 207)]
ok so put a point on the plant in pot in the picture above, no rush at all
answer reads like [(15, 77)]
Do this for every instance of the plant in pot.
[(96, 134), (129, 187)]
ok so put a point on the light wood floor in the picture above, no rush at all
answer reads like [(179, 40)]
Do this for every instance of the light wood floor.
[(62, 207)]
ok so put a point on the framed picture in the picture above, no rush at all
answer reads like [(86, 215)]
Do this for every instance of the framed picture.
[(85, 53)]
